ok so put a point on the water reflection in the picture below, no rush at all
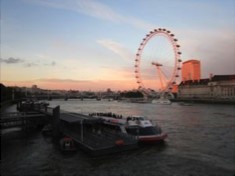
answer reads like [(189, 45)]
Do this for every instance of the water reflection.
[(201, 141)]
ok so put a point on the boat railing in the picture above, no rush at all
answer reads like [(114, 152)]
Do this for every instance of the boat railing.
[(106, 114)]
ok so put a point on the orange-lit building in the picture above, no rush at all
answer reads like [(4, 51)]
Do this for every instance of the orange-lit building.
[(218, 88), (191, 70), (175, 88)]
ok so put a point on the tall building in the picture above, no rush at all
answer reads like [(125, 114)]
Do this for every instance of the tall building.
[(191, 70)]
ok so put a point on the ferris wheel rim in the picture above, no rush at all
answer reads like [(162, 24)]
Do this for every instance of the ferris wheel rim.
[(173, 41)]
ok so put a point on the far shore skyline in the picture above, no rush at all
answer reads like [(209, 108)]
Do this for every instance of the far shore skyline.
[(53, 84)]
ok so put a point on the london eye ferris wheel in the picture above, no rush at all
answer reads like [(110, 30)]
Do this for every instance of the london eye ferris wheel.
[(157, 62)]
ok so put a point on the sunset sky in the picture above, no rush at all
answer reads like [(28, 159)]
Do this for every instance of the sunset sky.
[(91, 44)]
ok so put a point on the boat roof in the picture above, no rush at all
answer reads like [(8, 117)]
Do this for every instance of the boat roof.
[(78, 118)]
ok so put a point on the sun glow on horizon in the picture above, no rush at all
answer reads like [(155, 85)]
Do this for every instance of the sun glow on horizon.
[(94, 85)]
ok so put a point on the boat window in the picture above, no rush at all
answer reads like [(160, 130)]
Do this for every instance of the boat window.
[(144, 131), (141, 118)]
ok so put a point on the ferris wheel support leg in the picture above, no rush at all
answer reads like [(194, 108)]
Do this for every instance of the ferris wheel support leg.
[(160, 76)]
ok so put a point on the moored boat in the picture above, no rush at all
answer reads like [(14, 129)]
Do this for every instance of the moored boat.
[(185, 104), (162, 101), (140, 127)]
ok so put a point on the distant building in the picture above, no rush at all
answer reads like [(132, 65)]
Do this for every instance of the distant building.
[(216, 88), (174, 88), (191, 70), (35, 89)]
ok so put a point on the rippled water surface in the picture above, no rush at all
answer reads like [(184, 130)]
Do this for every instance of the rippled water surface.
[(201, 141)]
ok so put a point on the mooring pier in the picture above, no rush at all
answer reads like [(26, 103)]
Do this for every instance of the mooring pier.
[(19, 119), (29, 115), (88, 132)]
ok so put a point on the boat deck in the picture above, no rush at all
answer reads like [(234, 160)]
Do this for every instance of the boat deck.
[(92, 137)]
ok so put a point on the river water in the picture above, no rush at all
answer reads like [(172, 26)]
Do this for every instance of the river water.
[(201, 142)]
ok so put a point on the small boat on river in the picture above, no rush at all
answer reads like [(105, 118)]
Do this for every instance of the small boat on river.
[(67, 144), (162, 101), (138, 126), (185, 104)]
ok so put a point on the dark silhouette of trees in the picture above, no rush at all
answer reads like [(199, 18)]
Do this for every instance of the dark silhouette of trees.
[(132, 94), (6, 93)]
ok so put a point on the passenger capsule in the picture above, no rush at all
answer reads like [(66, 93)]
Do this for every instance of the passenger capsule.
[(179, 53), (179, 60), (175, 40), (177, 46), (172, 35), (168, 31)]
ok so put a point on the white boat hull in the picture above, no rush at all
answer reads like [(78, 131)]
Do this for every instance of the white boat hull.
[(161, 101)]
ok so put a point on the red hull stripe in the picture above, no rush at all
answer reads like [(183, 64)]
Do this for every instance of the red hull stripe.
[(153, 138)]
